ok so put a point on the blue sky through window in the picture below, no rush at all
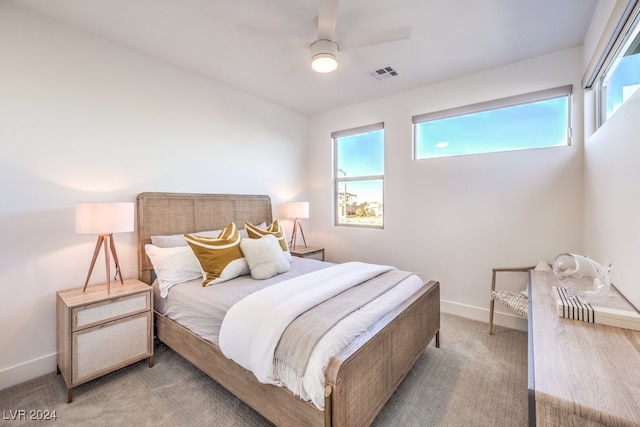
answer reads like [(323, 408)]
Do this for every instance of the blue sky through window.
[(360, 178), (531, 125), (623, 82), (361, 154), (622, 78)]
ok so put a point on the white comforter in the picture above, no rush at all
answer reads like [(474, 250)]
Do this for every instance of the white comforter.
[(252, 328)]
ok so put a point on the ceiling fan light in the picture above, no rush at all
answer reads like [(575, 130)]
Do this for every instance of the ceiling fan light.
[(324, 63)]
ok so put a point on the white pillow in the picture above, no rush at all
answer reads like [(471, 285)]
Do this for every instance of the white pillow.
[(264, 256), (173, 266), (255, 232), (179, 239)]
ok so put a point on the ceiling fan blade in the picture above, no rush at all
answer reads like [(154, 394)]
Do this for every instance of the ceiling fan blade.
[(272, 35), (298, 66), (379, 37), (327, 18)]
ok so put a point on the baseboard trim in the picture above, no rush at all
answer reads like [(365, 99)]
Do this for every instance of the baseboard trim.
[(508, 320), (27, 371)]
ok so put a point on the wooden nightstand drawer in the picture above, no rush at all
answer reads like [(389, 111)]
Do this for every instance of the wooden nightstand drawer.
[(105, 311), (110, 346), (308, 252), (100, 331)]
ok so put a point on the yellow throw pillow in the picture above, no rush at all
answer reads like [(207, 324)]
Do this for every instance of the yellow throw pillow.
[(274, 229), (220, 257)]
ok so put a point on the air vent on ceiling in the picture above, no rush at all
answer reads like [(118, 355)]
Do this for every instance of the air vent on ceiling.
[(383, 73)]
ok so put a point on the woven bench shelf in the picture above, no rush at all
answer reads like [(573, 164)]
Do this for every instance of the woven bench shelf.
[(514, 301)]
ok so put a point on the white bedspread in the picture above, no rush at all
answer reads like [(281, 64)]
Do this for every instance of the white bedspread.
[(252, 328)]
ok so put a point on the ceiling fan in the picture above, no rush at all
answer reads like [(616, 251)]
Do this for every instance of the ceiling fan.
[(324, 50)]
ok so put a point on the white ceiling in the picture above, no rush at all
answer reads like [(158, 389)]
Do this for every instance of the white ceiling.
[(449, 38)]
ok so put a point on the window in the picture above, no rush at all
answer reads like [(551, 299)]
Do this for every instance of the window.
[(533, 120), (621, 79), (359, 176)]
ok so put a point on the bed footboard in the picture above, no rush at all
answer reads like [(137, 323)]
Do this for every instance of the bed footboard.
[(359, 382), (277, 404)]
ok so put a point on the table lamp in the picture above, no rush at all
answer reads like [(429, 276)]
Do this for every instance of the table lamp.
[(296, 210), (104, 219)]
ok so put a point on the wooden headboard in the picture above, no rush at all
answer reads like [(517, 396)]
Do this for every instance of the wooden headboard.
[(161, 214)]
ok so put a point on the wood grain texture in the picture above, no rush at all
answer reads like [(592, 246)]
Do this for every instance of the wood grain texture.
[(118, 331), (362, 377), (366, 373), (584, 373), (308, 252), (277, 404), (179, 213), (96, 294)]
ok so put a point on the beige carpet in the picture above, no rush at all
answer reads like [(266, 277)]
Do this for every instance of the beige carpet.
[(471, 380)]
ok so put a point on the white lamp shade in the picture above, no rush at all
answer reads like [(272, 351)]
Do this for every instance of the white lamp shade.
[(296, 210), (104, 218)]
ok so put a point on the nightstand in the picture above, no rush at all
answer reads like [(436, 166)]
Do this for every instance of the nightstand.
[(308, 252), (98, 333)]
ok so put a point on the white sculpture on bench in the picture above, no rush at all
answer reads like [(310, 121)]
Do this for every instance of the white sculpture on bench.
[(569, 265)]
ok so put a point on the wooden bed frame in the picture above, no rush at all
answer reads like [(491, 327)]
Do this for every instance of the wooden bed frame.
[(358, 381)]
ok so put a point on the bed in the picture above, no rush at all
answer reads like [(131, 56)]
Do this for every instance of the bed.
[(358, 381)]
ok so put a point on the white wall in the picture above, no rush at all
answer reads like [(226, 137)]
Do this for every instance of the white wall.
[(612, 187), (453, 219), (83, 119), (612, 197)]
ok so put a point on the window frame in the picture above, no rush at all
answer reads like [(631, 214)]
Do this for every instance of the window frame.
[(495, 104), (627, 19), (335, 136), (625, 41)]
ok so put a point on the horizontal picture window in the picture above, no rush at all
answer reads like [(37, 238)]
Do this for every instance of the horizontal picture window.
[(533, 120)]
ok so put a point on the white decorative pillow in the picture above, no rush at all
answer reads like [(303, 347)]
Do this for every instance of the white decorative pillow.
[(274, 229), (173, 266), (178, 239), (220, 257), (264, 256)]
